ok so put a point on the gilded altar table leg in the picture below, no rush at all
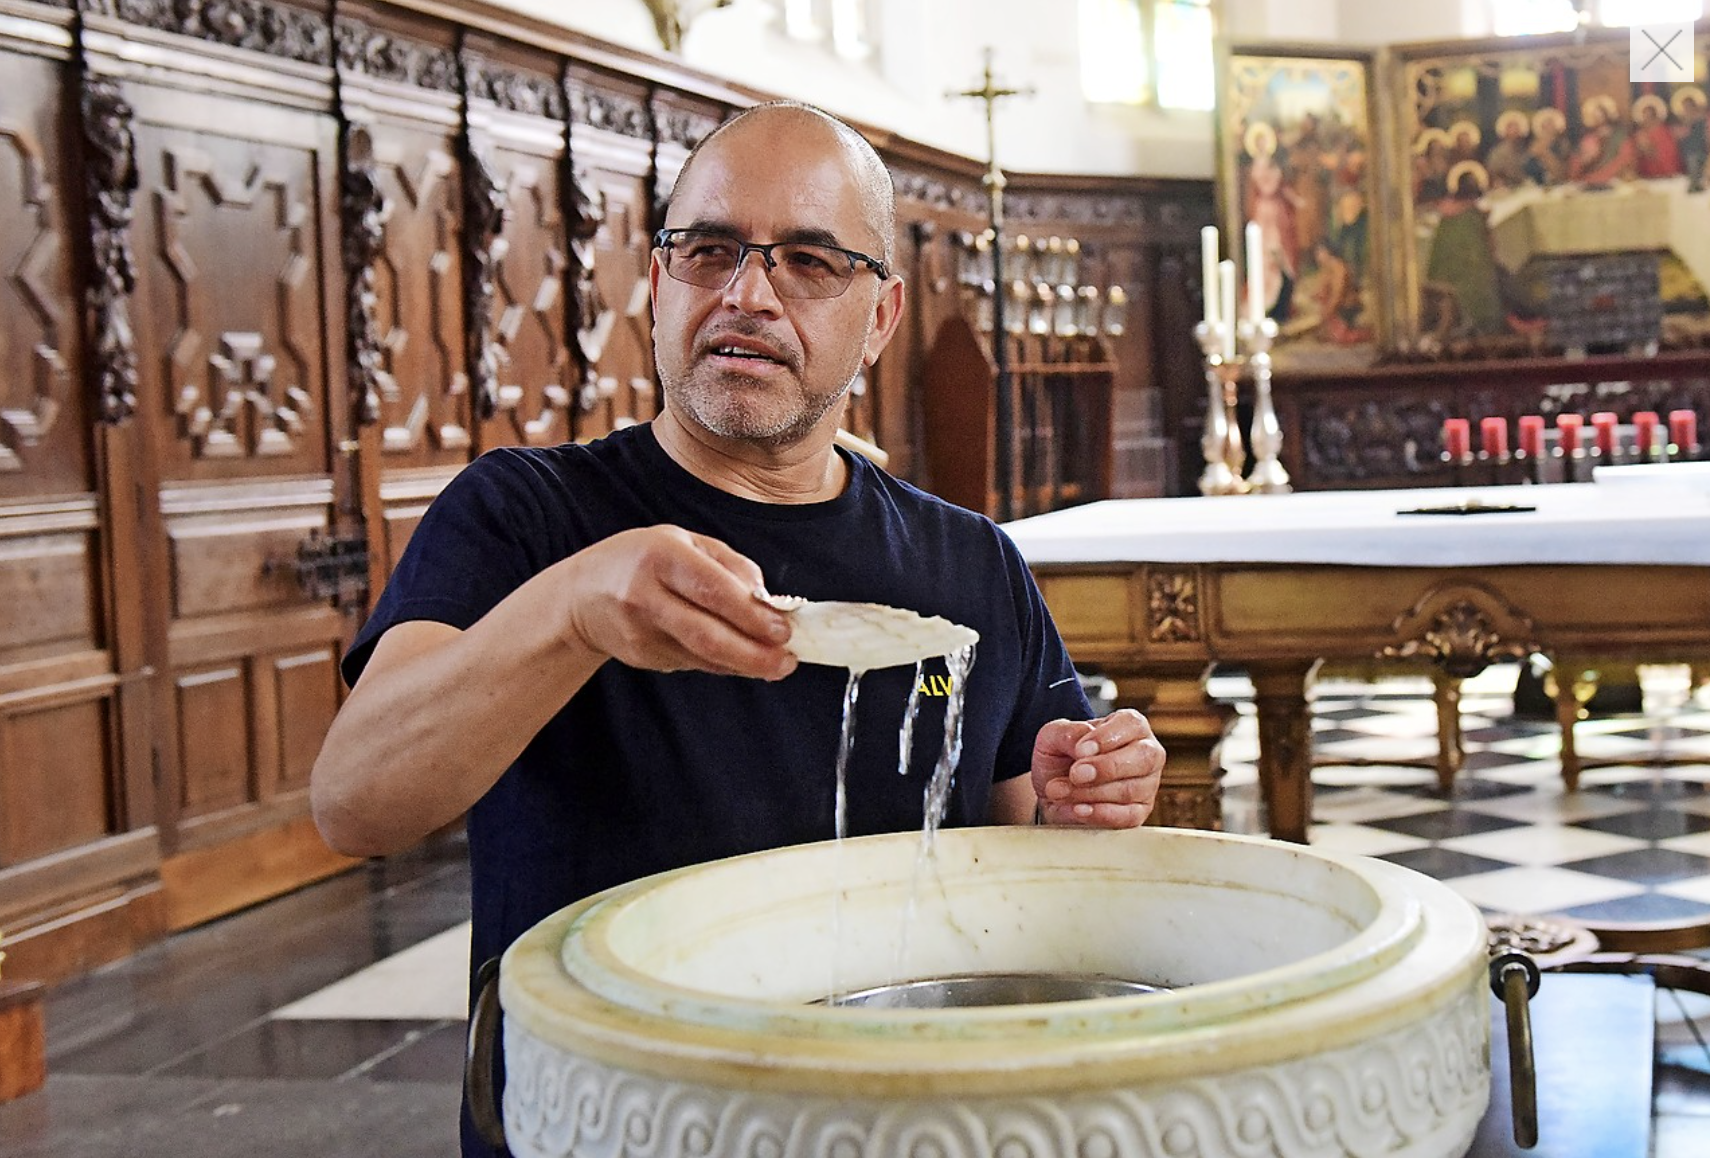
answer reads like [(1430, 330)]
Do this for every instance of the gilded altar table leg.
[(1285, 746), (1191, 726), (1572, 684), (1451, 746)]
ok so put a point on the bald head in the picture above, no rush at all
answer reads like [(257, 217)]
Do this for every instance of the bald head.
[(871, 179)]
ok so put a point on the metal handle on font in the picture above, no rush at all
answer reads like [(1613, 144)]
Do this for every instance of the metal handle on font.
[(1514, 979)]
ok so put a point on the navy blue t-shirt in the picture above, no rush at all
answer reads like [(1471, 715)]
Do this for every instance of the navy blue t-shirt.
[(644, 771)]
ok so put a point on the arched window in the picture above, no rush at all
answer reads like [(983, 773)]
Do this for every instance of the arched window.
[(1147, 52)]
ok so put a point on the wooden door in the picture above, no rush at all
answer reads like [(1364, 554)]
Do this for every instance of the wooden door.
[(76, 798), (402, 209), (242, 445), (523, 367)]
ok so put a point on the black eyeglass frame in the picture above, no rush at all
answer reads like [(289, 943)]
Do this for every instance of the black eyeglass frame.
[(665, 238)]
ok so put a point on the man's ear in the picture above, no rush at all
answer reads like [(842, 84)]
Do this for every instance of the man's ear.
[(654, 270), (887, 315)]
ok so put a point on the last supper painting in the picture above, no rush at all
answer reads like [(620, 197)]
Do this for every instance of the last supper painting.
[(1550, 204)]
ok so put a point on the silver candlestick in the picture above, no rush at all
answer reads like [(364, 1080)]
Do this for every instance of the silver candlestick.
[(1224, 451), (1268, 475)]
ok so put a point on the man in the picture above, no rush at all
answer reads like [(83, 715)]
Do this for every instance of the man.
[(571, 650)]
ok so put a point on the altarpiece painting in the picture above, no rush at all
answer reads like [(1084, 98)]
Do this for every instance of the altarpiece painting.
[(1549, 203), (1297, 157)]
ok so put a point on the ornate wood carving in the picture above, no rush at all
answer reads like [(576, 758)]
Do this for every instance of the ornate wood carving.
[(512, 89), (530, 339), (423, 371), (25, 421), (681, 126), (1463, 628), (1189, 807), (613, 112), (112, 179), (591, 317), (228, 402), (244, 377), (1172, 606), (385, 56), (1371, 438), (1074, 208), (935, 191), (363, 210), (484, 204), (257, 26)]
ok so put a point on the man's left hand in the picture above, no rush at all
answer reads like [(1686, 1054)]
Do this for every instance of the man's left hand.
[(1100, 773)]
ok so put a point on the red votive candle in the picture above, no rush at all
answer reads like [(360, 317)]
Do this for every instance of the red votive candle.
[(1603, 422), (1568, 427), (1532, 435), (1493, 437), (1645, 432), (1683, 430), (1457, 437)]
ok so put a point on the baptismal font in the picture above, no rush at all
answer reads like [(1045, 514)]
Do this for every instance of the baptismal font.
[(1232, 345)]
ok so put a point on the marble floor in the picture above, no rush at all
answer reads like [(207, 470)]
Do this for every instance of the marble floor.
[(329, 1022)]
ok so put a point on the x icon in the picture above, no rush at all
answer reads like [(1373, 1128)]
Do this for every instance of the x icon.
[(1662, 49)]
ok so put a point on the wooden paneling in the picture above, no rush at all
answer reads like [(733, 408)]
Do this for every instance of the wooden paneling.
[(614, 169), (44, 434), (56, 792), (213, 713), (404, 499), (402, 216), (515, 156), (217, 879), (47, 593), (304, 689), (229, 293), (1383, 426), (23, 1039)]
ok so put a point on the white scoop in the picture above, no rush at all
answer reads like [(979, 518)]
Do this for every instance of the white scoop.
[(865, 636)]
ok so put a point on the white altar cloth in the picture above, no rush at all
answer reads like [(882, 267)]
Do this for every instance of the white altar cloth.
[(1660, 522)]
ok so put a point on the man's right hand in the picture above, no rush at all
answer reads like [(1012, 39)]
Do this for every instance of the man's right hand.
[(667, 599)]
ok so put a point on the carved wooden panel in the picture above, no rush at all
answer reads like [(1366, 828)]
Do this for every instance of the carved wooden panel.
[(214, 736), (48, 593), (241, 351), (402, 199), (423, 380), (404, 499), (54, 794), (230, 298), (519, 322), (44, 444), (612, 199), (304, 690), (231, 561), (273, 29)]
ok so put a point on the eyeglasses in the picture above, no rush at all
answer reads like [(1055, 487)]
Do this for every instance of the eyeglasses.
[(797, 269)]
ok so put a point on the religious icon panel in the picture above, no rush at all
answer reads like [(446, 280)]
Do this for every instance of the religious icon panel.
[(1297, 159), (1550, 203)]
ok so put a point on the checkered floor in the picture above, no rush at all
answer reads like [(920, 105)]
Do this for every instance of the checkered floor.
[(1632, 846)]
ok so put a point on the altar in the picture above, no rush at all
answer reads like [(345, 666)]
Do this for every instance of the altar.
[(1152, 592)]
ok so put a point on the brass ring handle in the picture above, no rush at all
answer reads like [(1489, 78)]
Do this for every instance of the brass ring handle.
[(478, 1063), (1514, 979)]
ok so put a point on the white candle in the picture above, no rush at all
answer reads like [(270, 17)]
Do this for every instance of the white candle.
[(1226, 281), (1208, 271), (1255, 272)]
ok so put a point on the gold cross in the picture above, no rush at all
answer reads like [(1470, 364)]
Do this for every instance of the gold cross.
[(991, 94)]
